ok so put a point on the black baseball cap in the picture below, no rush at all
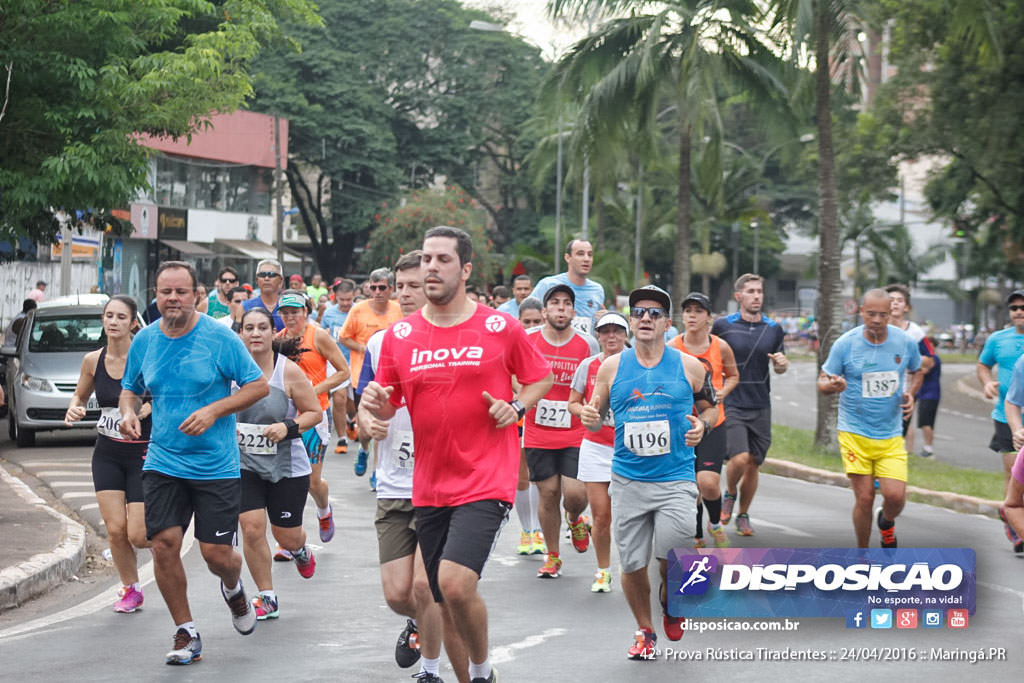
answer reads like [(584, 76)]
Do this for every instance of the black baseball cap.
[(699, 299), (1015, 294), (560, 288), (652, 293)]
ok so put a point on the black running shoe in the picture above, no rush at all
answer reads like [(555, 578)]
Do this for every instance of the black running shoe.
[(407, 649)]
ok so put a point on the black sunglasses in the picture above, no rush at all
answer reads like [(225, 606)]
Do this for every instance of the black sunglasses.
[(267, 274), (637, 312), (1017, 307), (228, 279), (378, 288)]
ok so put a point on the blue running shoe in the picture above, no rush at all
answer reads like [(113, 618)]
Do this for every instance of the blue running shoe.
[(361, 459), (373, 481)]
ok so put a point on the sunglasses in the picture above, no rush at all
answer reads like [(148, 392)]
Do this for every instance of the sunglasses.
[(378, 288), (637, 312), (1017, 307), (226, 280), (267, 274)]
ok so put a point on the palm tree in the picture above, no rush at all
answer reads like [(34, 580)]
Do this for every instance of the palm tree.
[(670, 61)]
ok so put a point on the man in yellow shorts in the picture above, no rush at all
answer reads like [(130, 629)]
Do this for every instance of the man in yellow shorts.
[(868, 365)]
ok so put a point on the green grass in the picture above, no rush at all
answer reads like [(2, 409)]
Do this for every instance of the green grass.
[(801, 355), (957, 357), (797, 445)]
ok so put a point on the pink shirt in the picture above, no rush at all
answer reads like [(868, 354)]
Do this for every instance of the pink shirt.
[(441, 373), (36, 295)]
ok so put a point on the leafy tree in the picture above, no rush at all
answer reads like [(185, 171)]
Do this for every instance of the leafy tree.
[(389, 95), (79, 79)]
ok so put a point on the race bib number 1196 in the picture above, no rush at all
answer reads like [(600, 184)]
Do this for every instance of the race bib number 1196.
[(648, 438)]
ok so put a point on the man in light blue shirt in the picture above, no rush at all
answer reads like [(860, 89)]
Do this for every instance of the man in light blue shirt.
[(188, 363), (342, 408), (579, 256), (868, 365), (521, 286)]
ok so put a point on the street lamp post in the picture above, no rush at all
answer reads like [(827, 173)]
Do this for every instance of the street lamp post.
[(754, 225)]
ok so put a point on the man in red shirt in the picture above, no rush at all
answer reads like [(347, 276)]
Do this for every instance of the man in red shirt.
[(453, 363), (551, 434)]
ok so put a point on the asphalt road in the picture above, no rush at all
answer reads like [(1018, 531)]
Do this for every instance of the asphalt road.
[(337, 627), (962, 428)]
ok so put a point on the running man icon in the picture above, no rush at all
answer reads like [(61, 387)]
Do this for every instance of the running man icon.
[(698, 570)]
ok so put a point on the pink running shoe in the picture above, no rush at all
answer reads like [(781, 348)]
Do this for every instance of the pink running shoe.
[(305, 562), (130, 601)]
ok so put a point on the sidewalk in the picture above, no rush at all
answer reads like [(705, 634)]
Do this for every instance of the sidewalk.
[(43, 547)]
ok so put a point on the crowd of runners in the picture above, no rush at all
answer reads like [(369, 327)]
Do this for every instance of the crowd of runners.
[(551, 403)]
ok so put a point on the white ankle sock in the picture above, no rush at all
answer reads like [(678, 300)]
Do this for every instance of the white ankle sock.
[(480, 670), (232, 592), (523, 509), (431, 666), (323, 512), (534, 502), (190, 626)]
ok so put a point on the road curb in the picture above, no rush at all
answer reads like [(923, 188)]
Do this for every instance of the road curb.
[(953, 501), (41, 572)]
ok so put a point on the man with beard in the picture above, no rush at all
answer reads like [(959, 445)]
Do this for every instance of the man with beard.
[(452, 364), (187, 362), (552, 435), (589, 295)]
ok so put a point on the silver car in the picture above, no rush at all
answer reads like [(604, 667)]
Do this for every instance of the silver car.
[(44, 363)]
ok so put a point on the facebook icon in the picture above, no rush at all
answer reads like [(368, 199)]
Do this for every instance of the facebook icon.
[(856, 620)]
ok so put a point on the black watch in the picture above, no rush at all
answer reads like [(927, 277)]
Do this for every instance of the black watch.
[(518, 406)]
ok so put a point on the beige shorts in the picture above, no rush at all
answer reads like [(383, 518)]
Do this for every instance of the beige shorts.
[(396, 529)]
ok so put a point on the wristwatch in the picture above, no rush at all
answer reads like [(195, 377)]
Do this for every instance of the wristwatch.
[(518, 406)]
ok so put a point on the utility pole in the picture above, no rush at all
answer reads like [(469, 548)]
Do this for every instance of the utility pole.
[(586, 197), (637, 268), (278, 209), (558, 196), (66, 237)]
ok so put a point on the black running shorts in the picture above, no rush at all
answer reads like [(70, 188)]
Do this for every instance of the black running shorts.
[(545, 463), (710, 452), (464, 534), (171, 501), (1002, 439), (283, 500), (748, 431), (118, 467), (927, 409)]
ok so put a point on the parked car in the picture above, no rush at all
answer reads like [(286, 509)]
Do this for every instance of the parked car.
[(44, 362)]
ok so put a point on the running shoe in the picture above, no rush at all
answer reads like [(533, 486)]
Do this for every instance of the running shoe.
[(187, 649), (551, 567), (602, 582), (743, 524), (342, 446), (698, 543), (427, 677), (373, 481), (305, 562), (493, 678), (360, 465), (525, 543), (1011, 535), (721, 540), (888, 535), (672, 626), (407, 649), (243, 616), (728, 500), (580, 530), (282, 555), (537, 545), (266, 607), (351, 432), (327, 524), (644, 642), (925, 453), (130, 601)]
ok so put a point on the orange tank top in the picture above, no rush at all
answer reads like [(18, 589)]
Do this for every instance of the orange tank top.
[(713, 355), (312, 363)]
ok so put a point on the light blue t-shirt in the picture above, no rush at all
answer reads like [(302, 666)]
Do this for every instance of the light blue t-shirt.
[(874, 373), (332, 321), (184, 374), (650, 407), (589, 299), (1003, 348), (511, 307), (1015, 392)]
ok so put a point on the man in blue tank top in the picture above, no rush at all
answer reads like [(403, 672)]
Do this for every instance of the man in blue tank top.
[(653, 391)]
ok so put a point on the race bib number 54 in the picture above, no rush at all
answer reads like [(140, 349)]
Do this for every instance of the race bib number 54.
[(648, 438), (879, 384)]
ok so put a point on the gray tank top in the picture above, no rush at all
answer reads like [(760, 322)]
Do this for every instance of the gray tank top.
[(291, 459)]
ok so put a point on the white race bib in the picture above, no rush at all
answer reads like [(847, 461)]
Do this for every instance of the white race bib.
[(252, 441), (648, 438), (583, 325), (402, 449), (554, 414), (109, 424), (879, 384)]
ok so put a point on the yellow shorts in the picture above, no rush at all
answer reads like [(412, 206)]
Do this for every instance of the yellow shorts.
[(878, 457)]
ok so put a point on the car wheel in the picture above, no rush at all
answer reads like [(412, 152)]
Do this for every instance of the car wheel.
[(25, 438), (11, 433)]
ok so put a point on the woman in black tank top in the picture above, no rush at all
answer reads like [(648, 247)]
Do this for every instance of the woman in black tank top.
[(116, 461)]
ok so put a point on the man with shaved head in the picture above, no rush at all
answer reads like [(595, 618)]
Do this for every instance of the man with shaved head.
[(867, 367)]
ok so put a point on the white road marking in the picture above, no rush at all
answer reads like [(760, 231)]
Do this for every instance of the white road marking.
[(506, 653), (66, 473), (90, 506), (1004, 589), (102, 601), (794, 404), (70, 483), (78, 494), (55, 463), (757, 521)]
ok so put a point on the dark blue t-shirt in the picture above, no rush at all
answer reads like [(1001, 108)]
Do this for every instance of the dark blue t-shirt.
[(751, 343)]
